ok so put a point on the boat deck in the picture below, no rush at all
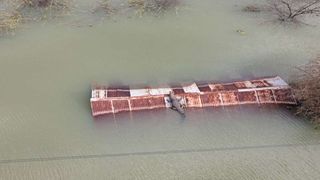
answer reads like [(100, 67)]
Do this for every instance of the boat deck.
[(271, 90)]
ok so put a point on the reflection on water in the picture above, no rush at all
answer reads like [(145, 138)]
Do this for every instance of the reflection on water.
[(46, 73)]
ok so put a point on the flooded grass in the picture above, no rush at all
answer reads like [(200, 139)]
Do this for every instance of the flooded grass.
[(251, 8), (56, 4), (307, 89), (36, 10), (287, 11), (138, 7), (9, 21), (290, 10), (160, 6), (15, 12), (136, 3), (104, 6)]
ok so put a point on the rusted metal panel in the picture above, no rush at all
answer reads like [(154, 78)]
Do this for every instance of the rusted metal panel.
[(261, 91), (210, 99), (265, 96), (247, 97), (229, 98), (216, 87), (284, 96), (192, 100), (147, 103), (229, 87), (240, 85), (101, 107), (120, 105), (139, 103), (260, 83), (204, 88), (178, 90), (118, 93), (157, 102)]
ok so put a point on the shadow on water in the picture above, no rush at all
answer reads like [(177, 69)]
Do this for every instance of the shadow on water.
[(82, 99), (186, 151), (153, 119)]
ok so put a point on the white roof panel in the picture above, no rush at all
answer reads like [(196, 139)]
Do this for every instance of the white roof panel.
[(160, 91), (139, 92), (193, 88), (102, 94), (276, 81)]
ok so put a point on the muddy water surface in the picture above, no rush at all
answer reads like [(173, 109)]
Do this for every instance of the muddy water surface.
[(47, 69)]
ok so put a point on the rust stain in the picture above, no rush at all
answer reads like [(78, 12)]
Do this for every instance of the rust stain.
[(265, 96), (157, 102), (216, 87), (178, 90), (284, 95), (118, 93), (261, 91), (229, 98), (210, 99), (240, 85), (229, 87), (147, 103), (139, 103), (192, 100), (120, 105), (247, 97), (101, 107), (259, 83), (204, 88)]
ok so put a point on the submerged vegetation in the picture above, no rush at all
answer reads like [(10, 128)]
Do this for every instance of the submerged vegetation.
[(287, 10), (9, 21), (306, 85), (58, 4), (140, 7), (155, 7), (14, 12), (251, 8), (160, 6), (104, 6), (290, 10), (42, 9)]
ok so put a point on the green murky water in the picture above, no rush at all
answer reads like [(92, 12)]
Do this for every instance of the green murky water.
[(46, 71)]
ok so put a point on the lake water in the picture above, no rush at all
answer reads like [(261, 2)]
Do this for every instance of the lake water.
[(47, 70)]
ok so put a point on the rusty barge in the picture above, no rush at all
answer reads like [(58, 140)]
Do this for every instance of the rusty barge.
[(271, 90)]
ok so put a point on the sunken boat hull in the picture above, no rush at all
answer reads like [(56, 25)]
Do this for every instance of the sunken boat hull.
[(271, 90)]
